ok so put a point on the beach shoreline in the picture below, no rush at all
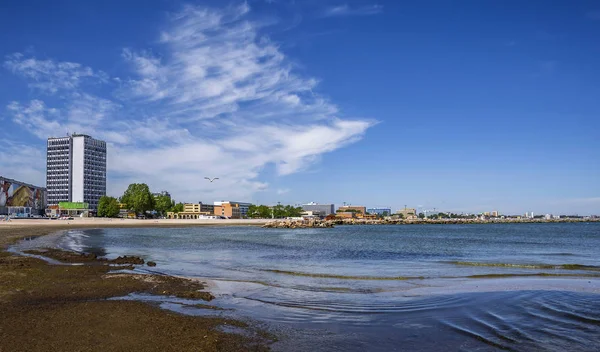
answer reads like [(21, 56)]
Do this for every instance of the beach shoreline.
[(67, 307), (39, 297)]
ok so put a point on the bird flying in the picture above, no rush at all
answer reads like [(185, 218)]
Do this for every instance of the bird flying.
[(211, 179)]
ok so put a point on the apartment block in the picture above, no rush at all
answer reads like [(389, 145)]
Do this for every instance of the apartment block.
[(76, 170)]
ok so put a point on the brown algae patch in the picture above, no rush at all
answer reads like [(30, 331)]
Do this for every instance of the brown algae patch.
[(498, 276), (530, 266), (344, 277), (47, 307)]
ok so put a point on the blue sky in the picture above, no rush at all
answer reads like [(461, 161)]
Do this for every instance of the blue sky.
[(465, 106)]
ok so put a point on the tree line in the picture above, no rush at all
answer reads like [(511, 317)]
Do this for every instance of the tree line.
[(278, 211), (139, 200)]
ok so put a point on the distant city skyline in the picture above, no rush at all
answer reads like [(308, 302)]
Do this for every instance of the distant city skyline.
[(379, 104)]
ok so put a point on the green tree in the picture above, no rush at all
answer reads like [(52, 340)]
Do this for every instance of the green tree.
[(278, 211), (163, 204), (401, 216), (292, 212), (385, 213), (138, 198), (421, 216), (254, 211), (108, 207), (176, 208), (264, 211)]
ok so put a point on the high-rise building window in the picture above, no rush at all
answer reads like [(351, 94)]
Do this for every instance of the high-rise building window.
[(76, 169)]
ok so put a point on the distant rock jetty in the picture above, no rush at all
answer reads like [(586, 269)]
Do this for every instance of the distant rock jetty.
[(298, 224), (315, 223)]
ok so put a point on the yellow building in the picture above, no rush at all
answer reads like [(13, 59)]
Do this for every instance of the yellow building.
[(358, 209), (191, 211), (368, 216)]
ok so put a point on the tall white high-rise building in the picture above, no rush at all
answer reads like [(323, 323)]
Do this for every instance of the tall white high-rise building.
[(76, 170)]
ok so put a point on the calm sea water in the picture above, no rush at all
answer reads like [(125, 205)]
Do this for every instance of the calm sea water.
[(381, 288)]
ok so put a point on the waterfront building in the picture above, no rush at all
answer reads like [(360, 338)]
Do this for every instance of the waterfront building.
[(313, 214), (495, 213), (232, 210), (356, 208), (325, 209), (408, 213), (76, 170), (73, 209), (345, 214), (380, 211), (193, 211), (20, 199)]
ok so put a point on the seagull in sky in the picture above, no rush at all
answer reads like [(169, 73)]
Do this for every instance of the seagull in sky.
[(211, 179)]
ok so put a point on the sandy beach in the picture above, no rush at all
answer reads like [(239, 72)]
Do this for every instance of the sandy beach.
[(65, 308)]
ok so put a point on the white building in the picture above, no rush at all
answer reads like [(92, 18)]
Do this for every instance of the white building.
[(76, 170), (326, 209)]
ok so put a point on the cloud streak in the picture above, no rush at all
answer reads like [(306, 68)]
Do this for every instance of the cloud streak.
[(215, 97), (49, 76), (347, 10)]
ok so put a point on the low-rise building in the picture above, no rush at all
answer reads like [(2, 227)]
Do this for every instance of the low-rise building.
[(69, 209), (314, 214), (408, 213), (368, 216), (192, 211), (380, 211), (228, 210), (231, 209), (355, 208), (326, 209), (345, 215), (20, 199)]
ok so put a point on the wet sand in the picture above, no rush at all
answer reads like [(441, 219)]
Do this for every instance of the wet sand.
[(47, 307)]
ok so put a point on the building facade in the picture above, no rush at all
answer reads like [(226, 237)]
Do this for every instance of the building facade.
[(325, 209), (408, 213), (231, 209), (380, 211), (21, 199), (193, 211), (356, 208), (76, 170)]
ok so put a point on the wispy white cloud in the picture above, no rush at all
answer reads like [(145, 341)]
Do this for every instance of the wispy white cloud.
[(51, 76), (23, 162), (82, 112), (347, 10), (216, 97), (281, 191)]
